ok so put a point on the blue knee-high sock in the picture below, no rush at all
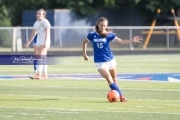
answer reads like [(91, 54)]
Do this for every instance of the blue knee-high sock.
[(114, 86), (35, 64)]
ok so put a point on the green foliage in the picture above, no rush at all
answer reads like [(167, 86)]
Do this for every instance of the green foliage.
[(4, 15), (5, 40), (146, 8), (16, 8), (83, 7)]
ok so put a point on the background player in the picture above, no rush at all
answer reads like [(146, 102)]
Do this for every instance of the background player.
[(103, 56), (42, 29)]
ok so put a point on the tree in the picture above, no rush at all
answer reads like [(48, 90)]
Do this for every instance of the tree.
[(4, 21), (4, 17), (86, 7), (16, 8)]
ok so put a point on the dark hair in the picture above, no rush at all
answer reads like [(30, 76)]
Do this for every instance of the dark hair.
[(97, 28)]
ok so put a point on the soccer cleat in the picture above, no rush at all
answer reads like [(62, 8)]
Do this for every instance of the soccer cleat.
[(45, 77), (123, 99), (36, 76)]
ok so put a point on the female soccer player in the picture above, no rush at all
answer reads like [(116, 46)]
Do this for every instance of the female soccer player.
[(103, 56), (42, 29)]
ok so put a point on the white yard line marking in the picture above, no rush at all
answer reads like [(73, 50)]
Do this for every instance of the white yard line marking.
[(156, 99), (145, 89), (88, 110), (63, 112), (28, 114), (173, 105), (45, 96), (4, 116), (170, 77), (154, 107)]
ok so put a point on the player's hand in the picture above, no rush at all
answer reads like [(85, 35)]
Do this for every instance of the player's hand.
[(137, 39), (26, 44), (86, 57)]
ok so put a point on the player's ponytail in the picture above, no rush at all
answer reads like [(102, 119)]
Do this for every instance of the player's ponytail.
[(97, 28)]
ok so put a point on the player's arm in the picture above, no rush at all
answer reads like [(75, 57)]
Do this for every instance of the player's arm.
[(135, 39), (84, 46), (34, 32)]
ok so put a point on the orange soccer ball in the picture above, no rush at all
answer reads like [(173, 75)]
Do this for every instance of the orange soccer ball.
[(113, 96)]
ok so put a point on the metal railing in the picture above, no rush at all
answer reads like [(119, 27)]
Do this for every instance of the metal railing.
[(70, 37)]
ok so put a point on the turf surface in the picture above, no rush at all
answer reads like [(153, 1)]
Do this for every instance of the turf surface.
[(68, 99)]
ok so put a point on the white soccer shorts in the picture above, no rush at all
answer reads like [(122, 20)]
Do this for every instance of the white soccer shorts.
[(110, 64)]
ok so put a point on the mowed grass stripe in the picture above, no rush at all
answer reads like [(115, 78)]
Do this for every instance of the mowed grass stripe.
[(56, 110), (49, 97), (73, 87), (125, 64), (96, 84)]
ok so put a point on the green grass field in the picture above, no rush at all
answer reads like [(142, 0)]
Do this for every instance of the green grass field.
[(68, 99)]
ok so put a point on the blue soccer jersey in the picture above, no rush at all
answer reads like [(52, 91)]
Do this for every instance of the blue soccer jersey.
[(35, 39), (102, 51)]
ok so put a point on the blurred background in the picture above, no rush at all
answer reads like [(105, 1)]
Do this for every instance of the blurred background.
[(71, 21)]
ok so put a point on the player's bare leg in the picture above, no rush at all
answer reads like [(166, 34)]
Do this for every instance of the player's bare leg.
[(113, 75), (106, 74), (43, 51)]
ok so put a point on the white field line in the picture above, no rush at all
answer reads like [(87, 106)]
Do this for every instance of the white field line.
[(75, 78), (95, 79), (145, 89), (73, 87), (88, 110), (157, 60), (173, 105), (156, 107), (149, 107), (5, 116), (170, 100), (24, 113), (44, 96), (63, 112), (121, 78), (70, 78)]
